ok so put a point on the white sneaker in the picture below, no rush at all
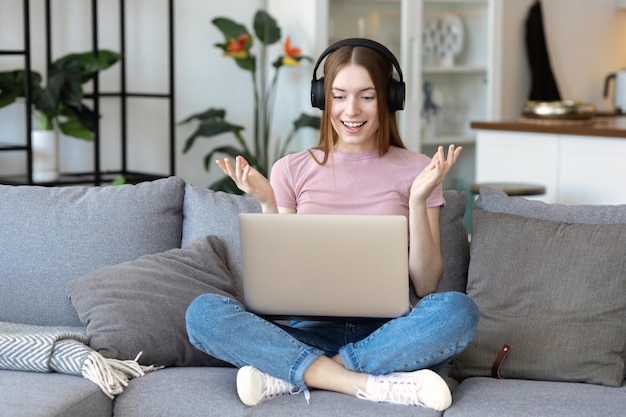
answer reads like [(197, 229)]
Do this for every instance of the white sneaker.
[(424, 388), (254, 387)]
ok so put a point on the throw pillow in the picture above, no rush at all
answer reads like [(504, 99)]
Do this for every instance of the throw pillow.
[(554, 292), (494, 200), (139, 306), (51, 235)]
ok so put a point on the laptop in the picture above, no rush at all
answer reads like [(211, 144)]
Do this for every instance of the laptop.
[(309, 265)]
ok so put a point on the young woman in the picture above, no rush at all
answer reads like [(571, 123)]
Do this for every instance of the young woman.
[(360, 166)]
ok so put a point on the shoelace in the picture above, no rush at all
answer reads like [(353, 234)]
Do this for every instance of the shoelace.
[(275, 387), (396, 391)]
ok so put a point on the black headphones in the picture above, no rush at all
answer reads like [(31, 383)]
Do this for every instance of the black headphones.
[(397, 89)]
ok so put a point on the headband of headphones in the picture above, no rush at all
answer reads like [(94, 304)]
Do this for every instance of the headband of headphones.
[(396, 92)]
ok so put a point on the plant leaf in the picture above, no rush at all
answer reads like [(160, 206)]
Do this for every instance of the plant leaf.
[(248, 64), (48, 99), (229, 28), (210, 128), (227, 185), (70, 87), (84, 114), (8, 97), (86, 63), (206, 115), (119, 180), (63, 93), (227, 150), (93, 65), (11, 86), (307, 120), (266, 28), (233, 30), (73, 127)]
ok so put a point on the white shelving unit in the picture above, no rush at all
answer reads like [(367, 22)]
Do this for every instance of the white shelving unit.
[(467, 88)]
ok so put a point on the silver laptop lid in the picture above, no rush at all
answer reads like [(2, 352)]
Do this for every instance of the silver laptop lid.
[(325, 265)]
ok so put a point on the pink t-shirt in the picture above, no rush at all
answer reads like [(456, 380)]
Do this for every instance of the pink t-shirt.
[(350, 183)]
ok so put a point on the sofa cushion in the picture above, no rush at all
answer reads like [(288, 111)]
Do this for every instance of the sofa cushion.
[(555, 292), (35, 394), (495, 200), (213, 392), (488, 397), (208, 212), (454, 242), (52, 235), (140, 305), (454, 245)]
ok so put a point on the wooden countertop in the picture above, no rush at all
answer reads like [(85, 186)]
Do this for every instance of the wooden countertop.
[(605, 126)]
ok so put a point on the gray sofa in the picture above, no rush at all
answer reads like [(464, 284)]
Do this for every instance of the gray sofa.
[(122, 263)]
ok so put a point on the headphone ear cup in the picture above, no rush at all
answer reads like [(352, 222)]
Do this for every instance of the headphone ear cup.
[(396, 95), (317, 93)]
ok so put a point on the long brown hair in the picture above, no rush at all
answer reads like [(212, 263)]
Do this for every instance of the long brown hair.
[(380, 70)]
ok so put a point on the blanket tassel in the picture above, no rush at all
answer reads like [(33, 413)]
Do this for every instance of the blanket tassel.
[(112, 375)]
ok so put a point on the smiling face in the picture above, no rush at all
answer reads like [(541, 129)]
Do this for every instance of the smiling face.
[(354, 109)]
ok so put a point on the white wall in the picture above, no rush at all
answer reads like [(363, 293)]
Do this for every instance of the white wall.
[(587, 40), (206, 79)]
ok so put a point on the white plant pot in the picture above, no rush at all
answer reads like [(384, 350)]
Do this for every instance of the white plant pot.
[(45, 145)]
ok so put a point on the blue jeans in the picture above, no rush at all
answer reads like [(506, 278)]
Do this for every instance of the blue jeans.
[(439, 327)]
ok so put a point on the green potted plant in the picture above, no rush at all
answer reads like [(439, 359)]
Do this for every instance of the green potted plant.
[(59, 104), (212, 122)]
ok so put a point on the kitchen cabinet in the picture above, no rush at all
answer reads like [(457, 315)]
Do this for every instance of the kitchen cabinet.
[(592, 170), (465, 86), (518, 157), (576, 169)]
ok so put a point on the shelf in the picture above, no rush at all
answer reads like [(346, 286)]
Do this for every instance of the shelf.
[(11, 147), (456, 2), (13, 52), (86, 178)]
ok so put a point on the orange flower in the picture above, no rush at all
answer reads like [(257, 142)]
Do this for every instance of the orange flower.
[(238, 48), (289, 51), (292, 55)]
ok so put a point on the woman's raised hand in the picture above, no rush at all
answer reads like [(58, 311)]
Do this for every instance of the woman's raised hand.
[(250, 181), (435, 172)]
